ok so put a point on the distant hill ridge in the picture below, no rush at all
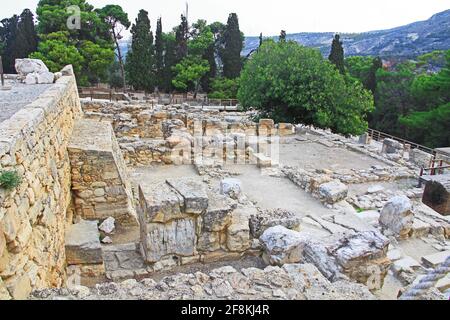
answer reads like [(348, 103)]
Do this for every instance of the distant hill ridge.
[(406, 41)]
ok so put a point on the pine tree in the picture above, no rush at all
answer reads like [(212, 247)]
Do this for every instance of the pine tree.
[(233, 44), (181, 37), (283, 36), (337, 54), (117, 21), (159, 55), (140, 59)]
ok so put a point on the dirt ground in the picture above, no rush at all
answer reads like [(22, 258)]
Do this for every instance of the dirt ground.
[(314, 155)]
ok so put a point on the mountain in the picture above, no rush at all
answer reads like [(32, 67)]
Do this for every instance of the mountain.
[(406, 41)]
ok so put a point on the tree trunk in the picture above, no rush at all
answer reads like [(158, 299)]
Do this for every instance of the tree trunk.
[(120, 58)]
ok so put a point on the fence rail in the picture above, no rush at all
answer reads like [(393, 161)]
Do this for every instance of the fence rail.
[(379, 136)]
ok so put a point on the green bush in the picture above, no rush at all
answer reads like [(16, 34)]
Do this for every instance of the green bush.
[(9, 179), (291, 83)]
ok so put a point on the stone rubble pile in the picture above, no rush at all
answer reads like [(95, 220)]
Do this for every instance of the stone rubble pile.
[(34, 71)]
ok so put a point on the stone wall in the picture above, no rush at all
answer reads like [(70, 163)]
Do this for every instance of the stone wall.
[(33, 216), (100, 183)]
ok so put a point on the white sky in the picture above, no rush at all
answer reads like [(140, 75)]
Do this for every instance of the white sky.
[(270, 16)]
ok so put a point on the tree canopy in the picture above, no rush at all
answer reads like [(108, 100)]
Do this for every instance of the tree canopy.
[(292, 83)]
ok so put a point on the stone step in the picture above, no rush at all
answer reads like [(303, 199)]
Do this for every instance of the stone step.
[(83, 244)]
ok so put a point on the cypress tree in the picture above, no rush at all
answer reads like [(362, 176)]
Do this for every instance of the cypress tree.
[(10, 35), (209, 56), (231, 54), (27, 39), (260, 39), (337, 54), (140, 58), (371, 84), (170, 60), (159, 55), (181, 37), (283, 36)]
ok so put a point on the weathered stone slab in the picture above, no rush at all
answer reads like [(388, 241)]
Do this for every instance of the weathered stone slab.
[(231, 187), (396, 217), (159, 203), (193, 193), (261, 221), (437, 194), (218, 215), (83, 244), (176, 237), (434, 260), (282, 245), (333, 191), (391, 146)]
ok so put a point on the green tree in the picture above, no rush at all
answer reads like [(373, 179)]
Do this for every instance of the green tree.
[(140, 58), (170, 60), (117, 21), (223, 88), (337, 54), (182, 37), (364, 69), (233, 44), (291, 83), (18, 39), (159, 54), (189, 71), (62, 42)]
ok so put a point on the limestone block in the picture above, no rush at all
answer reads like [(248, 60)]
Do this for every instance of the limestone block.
[(333, 191), (434, 260), (31, 79), (396, 217), (231, 187), (176, 237), (2, 242), (4, 294), (19, 286), (218, 215), (27, 66), (209, 241), (193, 193), (159, 203), (391, 146), (108, 225), (437, 194), (263, 220), (420, 158), (363, 257), (285, 129), (45, 77), (238, 232), (83, 244), (282, 245), (365, 139)]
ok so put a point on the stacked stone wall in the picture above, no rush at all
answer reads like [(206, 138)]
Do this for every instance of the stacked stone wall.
[(33, 216)]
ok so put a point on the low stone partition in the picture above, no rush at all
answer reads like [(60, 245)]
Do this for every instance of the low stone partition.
[(100, 182), (33, 216), (182, 219)]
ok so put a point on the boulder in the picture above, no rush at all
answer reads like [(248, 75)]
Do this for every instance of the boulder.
[(108, 225), (30, 78), (437, 194), (282, 246), (27, 66), (67, 71), (263, 220), (83, 244), (396, 217), (231, 187), (391, 146), (45, 77), (334, 191)]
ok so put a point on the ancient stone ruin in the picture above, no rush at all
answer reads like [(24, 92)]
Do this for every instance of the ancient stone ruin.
[(136, 200)]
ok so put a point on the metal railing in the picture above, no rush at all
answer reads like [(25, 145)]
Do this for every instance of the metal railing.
[(379, 136)]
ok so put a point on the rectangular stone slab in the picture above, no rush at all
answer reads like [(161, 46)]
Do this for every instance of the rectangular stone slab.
[(193, 193), (176, 237), (159, 203), (434, 260), (83, 244)]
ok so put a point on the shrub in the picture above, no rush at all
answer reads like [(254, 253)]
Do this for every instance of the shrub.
[(9, 179)]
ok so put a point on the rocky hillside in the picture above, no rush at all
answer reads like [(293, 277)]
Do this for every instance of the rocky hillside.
[(406, 41)]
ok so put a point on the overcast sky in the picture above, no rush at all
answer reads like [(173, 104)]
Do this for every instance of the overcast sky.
[(271, 16)]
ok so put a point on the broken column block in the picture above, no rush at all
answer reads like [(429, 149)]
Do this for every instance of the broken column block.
[(261, 221), (173, 238), (193, 193), (396, 217), (437, 193), (282, 246), (83, 244), (334, 191)]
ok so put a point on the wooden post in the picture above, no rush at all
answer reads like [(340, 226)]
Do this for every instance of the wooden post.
[(1, 71)]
